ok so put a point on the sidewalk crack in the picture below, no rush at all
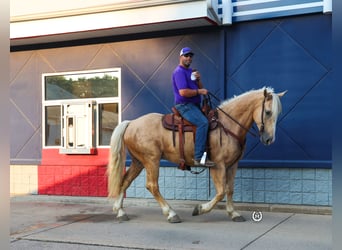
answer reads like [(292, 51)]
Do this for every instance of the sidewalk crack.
[(269, 230), (48, 228)]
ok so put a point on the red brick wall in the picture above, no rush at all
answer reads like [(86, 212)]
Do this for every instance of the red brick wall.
[(73, 175)]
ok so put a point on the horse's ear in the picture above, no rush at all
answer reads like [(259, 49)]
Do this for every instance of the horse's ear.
[(282, 93)]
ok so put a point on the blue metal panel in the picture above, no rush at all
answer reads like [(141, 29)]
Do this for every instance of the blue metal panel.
[(306, 29), (291, 55), (146, 83)]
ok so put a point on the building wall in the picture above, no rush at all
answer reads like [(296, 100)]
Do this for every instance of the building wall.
[(257, 185), (232, 59), (300, 186), (24, 179)]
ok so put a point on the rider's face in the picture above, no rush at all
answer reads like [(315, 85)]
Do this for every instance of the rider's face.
[(186, 60)]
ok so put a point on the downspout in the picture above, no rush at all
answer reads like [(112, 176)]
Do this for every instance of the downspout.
[(327, 6), (227, 12)]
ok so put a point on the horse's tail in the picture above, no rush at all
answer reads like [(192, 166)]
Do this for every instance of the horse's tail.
[(116, 161)]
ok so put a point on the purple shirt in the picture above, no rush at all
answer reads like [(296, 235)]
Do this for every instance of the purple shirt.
[(181, 79)]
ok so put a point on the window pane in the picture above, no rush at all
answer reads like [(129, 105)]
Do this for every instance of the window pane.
[(83, 85), (108, 115), (53, 126)]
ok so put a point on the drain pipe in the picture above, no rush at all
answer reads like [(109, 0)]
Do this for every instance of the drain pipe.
[(227, 12), (327, 6)]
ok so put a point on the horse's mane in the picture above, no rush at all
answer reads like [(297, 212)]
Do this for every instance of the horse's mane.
[(276, 101)]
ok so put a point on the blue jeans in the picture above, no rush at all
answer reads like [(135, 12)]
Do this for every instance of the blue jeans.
[(193, 114)]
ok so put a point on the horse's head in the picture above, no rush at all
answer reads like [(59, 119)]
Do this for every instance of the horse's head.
[(266, 115)]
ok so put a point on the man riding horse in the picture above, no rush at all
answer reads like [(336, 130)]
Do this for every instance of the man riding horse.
[(188, 88)]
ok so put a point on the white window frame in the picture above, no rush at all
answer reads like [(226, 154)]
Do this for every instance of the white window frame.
[(98, 101)]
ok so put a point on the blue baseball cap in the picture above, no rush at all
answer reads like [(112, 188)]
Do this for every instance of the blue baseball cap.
[(185, 51)]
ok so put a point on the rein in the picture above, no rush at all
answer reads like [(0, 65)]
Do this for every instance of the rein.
[(233, 119)]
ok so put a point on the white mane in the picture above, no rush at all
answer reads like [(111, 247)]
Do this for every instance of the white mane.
[(269, 90), (276, 104)]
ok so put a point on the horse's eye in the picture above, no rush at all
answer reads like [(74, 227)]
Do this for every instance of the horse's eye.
[(268, 112)]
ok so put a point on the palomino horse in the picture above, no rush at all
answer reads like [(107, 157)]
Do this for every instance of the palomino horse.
[(148, 141)]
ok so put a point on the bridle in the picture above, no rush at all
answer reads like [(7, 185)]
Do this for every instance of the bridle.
[(262, 126)]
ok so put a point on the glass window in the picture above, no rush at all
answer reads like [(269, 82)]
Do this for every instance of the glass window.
[(108, 119), (53, 126), (82, 85)]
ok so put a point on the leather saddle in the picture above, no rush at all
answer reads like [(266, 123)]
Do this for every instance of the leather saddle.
[(176, 123)]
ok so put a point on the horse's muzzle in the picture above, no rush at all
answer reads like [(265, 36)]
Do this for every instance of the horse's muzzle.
[(266, 139)]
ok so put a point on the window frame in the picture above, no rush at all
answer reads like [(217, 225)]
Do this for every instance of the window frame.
[(98, 101)]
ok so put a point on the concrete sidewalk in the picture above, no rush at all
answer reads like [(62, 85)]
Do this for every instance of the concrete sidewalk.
[(53, 222)]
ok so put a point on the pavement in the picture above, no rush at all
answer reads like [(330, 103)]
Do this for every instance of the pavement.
[(61, 222)]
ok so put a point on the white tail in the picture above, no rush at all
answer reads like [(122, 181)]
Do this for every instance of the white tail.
[(116, 162)]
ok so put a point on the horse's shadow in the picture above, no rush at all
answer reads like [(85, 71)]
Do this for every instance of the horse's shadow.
[(148, 216), (84, 218)]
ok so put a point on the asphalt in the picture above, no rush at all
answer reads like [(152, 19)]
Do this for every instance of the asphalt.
[(56, 222)]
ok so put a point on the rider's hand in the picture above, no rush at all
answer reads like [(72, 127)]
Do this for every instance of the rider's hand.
[(203, 91)]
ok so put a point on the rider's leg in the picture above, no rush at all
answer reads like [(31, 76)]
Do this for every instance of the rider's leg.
[(193, 114)]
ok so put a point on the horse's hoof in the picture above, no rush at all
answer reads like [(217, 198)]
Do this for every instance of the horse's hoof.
[(174, 219), (123, 218), (239, 219), (196, 210)]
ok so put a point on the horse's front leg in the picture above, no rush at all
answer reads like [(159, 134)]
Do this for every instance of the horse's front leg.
[(218, 175), (234, 215)]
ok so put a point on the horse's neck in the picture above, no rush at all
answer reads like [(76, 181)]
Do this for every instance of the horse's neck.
[(241, 110)]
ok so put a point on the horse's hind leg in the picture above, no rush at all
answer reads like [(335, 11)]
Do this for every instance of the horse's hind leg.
[(133, 171), (152, 175), (234, 215)]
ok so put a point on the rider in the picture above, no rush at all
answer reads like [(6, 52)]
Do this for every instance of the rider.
[(187, 92)]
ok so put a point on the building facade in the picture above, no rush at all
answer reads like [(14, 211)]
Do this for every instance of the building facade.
[(71, 84)]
